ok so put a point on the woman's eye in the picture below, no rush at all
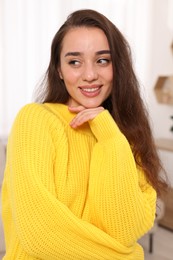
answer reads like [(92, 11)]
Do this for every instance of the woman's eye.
[(74, 62), (103, 61)]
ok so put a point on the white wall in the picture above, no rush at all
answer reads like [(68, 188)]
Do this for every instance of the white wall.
[(160, 63), (28, 26)]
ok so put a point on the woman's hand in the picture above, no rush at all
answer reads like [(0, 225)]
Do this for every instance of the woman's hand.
[(83, 115)]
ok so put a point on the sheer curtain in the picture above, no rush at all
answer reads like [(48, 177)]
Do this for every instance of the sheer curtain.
[(27, 27), (26, 31)]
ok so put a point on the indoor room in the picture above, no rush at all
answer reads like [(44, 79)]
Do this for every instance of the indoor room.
[(27, 28)]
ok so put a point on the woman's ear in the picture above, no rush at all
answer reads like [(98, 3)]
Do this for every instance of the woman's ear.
[(59, 72)]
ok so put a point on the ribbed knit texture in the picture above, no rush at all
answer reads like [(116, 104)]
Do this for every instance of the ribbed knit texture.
[(72, 194)]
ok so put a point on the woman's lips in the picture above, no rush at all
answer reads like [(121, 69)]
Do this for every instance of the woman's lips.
[(91, 91)]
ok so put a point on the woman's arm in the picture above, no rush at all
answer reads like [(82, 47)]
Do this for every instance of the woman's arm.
[(122, 202), (46, 228)]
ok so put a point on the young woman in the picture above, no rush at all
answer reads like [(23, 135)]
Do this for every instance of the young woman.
[(82, 173)]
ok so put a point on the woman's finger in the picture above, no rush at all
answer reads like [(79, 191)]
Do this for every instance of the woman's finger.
[(76, 109), (85, 116)]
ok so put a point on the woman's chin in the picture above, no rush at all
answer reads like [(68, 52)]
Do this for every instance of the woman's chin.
[(91, 104)]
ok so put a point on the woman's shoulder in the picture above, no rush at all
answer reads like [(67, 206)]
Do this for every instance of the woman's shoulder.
[(31, 107), (36, 113), (35, 110), (35, 121)]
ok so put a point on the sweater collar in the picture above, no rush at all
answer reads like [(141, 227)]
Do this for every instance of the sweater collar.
[(61, 110)]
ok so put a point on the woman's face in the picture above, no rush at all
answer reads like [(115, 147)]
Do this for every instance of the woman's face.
[(86, 66)]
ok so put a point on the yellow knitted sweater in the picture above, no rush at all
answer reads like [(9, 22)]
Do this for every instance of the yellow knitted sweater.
[(72, 194)]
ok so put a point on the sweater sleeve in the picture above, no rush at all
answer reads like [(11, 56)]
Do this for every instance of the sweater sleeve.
[(46, 228), (122, 202)]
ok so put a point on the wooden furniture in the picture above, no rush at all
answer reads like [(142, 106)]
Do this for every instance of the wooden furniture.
[(164, 144), (167, 220), (164, 89)]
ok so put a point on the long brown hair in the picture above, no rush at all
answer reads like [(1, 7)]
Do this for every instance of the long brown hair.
[(125, 103)]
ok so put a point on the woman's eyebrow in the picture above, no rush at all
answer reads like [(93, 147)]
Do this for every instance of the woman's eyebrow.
[(77, 53), (103, 52)]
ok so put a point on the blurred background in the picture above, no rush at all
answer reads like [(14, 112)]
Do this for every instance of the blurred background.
[(27, 28)]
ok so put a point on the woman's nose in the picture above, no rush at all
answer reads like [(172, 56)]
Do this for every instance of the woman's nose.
[(90, 72)]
